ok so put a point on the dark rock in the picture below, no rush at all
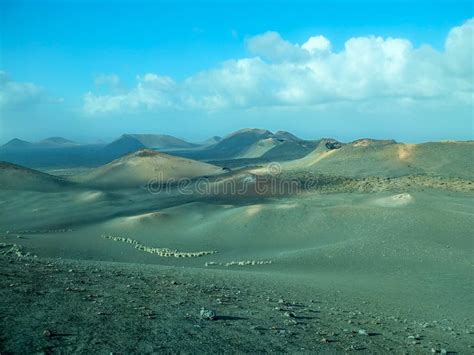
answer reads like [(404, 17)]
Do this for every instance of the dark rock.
[(333, 145)]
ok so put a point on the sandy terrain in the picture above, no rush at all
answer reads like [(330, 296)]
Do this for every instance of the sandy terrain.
[(344, 263)]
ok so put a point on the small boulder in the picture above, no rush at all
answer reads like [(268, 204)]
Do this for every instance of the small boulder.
[(207, 314), (331, 145)]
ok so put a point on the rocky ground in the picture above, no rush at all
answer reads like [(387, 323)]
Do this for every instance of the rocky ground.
[(64, 306), (331, 184)]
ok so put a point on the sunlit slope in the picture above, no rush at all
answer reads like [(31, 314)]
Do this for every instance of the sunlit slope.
[(141, 167), (279, 149), (259, 148), (391, 159)]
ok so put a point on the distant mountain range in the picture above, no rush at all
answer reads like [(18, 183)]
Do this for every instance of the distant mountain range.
[(126, 162), (48, 142), (58, 151), (129, 143), (253, 144), (244, 147), (243, 144)]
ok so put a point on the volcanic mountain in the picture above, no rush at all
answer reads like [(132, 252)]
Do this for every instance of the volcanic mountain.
[(253, 143), (144, 166)]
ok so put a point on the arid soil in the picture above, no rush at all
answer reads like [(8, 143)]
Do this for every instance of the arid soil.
[(65, 306)]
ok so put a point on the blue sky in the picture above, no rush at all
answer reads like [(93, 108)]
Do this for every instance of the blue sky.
[(96, 69)]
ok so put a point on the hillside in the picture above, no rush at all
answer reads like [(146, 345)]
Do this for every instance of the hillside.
[(16, 143), (141, 167), (211, 140), (238, 142), (123, 145), (15, 177), (388, 158), (253, 143), (163, 141), (156, 141)]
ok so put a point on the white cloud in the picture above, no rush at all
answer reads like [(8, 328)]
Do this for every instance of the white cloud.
[(460, 49), (111, 80), (152, 91), (317, 44), (15, 94), (271, 46), (281, 73)]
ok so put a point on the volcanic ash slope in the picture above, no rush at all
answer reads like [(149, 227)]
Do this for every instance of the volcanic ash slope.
[(141, 167)]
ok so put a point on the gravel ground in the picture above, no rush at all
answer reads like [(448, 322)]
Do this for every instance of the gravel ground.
[(66, 306)]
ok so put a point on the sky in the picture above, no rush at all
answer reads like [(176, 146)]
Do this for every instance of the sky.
[(93, 70)]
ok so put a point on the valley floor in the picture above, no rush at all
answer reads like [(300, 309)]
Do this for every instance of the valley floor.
[(376, 265)]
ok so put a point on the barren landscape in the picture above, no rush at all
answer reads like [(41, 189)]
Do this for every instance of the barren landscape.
[(233, 177), (336, 247)]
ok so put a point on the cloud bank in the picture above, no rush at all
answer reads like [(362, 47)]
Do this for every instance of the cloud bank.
[(279, 73), (15, 94)]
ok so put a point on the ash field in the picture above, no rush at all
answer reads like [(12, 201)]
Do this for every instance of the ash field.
[(257, 241)]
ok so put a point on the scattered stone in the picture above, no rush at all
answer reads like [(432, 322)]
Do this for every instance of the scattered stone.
[(291, 321), (363, 332), (47, 333), (238, 263), (164, 252), (414, 337), (16, 250), (355, 347), (207, 314), (289, 314)]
